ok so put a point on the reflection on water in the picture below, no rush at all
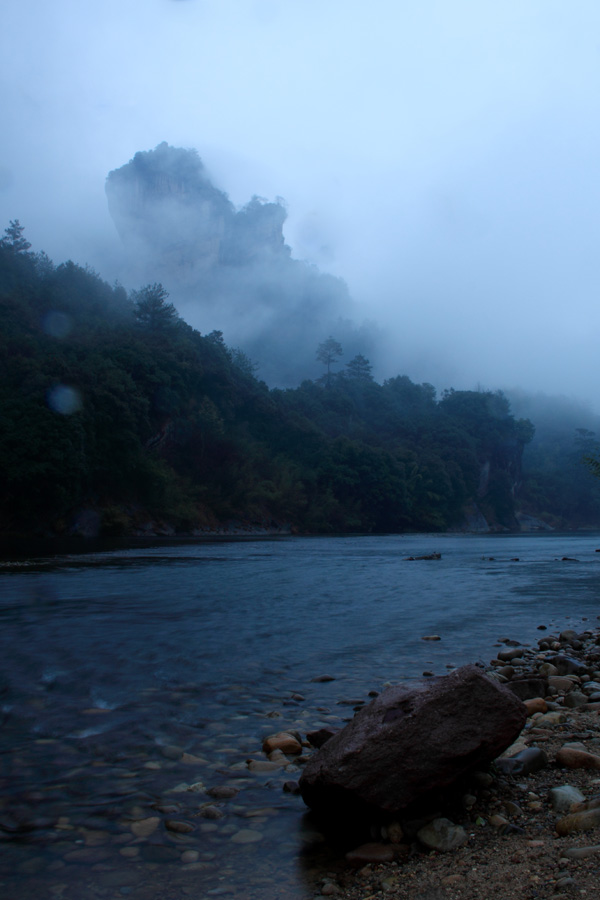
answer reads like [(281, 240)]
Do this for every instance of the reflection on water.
[(135, 684)]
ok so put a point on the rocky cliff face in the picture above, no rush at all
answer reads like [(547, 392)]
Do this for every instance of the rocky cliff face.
[(227, 269), (166, 209)]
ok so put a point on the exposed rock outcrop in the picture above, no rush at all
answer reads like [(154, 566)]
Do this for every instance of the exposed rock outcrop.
[(226, 268), (165, 206)]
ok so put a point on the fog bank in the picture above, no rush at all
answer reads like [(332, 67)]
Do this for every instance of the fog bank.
[(441, 160)]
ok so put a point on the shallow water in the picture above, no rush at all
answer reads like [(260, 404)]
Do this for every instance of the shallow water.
[(109, 658)]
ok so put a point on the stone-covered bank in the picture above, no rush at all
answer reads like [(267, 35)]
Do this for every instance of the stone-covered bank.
[(528, 826)]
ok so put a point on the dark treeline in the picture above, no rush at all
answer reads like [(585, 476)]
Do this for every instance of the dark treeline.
[(561, 460), (113, 407)]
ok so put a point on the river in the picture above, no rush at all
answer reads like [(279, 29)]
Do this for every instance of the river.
[(135, 679)]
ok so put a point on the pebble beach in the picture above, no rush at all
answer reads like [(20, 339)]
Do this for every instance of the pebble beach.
[(533, 832)]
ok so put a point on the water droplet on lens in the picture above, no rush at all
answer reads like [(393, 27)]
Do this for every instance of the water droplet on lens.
[(57, 324), (65, 400)]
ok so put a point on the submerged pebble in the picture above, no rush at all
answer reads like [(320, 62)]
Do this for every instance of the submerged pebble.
[(246, 836)]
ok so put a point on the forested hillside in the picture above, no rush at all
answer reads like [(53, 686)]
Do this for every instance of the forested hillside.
[(116, 413)]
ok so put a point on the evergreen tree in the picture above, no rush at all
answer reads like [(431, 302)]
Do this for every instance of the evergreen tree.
[(327, 352), (151, 309), (359, 368), (14, 239)]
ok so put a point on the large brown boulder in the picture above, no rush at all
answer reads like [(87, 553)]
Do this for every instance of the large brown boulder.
[(413, 740)]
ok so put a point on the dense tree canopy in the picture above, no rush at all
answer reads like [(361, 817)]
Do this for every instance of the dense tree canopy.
[(112, 403)]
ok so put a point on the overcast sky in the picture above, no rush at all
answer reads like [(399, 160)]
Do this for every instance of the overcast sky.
[(442, 157)]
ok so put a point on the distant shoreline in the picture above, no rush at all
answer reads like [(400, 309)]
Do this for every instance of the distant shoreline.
[(16, 548)]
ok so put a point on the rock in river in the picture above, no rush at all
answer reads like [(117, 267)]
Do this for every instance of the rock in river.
[(413, 740), (284, 741)]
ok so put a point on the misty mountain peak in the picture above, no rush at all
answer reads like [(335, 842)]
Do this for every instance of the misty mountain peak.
[(226, 268), (165, 206)]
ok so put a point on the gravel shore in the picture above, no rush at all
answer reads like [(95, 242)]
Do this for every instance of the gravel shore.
[(513, 849)]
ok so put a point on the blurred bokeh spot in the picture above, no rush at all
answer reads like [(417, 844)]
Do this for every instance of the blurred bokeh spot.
[(64, 399)]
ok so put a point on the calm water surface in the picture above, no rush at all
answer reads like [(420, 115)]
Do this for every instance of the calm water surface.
[(114, 663)]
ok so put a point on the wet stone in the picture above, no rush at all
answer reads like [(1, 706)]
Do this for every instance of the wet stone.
[(178, 826), (263, 765), (283, 741), (278, 756), (509, 655), (171, 751), (263, 811), (211, 812), (575, 699), (183, 787), (191, 760), (246, 836), (145, 827), (222, 792), (96, 838)]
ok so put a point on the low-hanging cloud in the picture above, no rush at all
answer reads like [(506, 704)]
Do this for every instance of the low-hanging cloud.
[(228, 268)]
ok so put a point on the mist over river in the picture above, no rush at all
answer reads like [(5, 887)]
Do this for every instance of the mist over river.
[(134, 680)]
